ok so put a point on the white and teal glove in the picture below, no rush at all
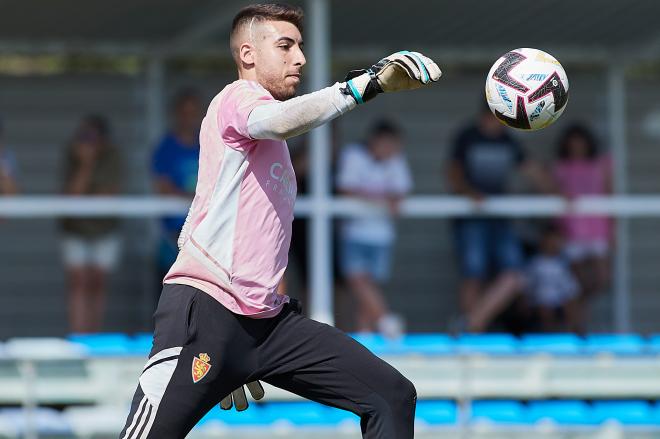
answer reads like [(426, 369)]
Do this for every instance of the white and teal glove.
[(403, 70), (238, 399)]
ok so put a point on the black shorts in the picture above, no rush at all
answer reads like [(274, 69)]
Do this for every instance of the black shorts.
[(202, 351)]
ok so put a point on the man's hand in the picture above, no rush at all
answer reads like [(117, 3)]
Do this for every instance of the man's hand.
[(238, 399), (400, 71)]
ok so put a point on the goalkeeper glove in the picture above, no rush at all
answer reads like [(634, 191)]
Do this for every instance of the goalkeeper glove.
[(239, 399), (403, 70)]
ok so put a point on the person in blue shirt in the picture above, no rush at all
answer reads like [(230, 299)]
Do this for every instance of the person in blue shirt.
[(174, 164)]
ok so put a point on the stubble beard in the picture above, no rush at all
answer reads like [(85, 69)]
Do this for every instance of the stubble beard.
[(278, 89)]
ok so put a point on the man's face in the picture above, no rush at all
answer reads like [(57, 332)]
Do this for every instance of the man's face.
[(278, 58), (384, 146)]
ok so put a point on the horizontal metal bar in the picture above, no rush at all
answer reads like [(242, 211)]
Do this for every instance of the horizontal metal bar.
[(33, 206)]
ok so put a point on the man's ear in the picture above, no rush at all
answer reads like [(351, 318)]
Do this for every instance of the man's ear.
[(247, 54)]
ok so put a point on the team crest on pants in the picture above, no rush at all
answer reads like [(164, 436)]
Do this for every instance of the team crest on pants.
[(200, 367)]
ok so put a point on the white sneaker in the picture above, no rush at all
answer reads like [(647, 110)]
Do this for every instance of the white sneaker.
[(391, 326)]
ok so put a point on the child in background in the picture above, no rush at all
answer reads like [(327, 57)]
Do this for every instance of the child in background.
[(374, 172), (552, 287), (581, 170)]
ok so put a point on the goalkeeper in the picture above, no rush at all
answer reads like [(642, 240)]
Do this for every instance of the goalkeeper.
[(220, 322)]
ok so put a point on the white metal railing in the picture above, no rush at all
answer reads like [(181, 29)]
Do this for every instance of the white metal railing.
[(321, 209), (34, 206)]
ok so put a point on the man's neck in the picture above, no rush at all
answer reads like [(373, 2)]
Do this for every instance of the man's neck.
[(247, 74)]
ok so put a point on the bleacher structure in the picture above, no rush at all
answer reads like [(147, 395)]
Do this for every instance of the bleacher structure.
[(470, 386)]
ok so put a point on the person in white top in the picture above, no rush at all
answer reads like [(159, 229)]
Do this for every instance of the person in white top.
[(220, 322), (375, 172)]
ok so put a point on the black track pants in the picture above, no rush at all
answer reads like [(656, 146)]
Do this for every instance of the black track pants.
[(202, 351)]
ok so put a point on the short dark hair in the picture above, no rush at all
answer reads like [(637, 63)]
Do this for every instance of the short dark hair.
[(269, 12), (577, 130), (384, 127)]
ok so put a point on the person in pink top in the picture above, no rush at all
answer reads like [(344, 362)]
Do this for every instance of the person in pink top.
[(581, 170), (220, 322)]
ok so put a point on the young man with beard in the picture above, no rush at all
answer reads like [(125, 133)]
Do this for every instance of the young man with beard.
[(220, 322)]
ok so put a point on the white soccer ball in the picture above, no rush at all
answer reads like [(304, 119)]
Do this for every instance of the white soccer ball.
[(527, 89)]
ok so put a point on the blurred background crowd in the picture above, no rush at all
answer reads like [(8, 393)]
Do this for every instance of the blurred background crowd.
[(514, 276), (88, 111)]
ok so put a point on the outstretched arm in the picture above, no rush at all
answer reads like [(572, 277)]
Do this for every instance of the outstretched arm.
[(282, 120), (400, 71)]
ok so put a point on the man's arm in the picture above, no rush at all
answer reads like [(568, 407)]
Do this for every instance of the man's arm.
[(282, 120), (400, 71), (459, 184)]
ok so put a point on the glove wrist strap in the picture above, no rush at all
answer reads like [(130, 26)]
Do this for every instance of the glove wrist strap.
[(362, 85)]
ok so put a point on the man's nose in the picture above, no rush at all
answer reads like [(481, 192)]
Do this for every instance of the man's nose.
[(300, 58)]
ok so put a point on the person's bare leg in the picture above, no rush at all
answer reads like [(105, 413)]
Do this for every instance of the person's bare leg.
[(97, 281), (78, 299), (470, 294), (495, 299), (370, 299)]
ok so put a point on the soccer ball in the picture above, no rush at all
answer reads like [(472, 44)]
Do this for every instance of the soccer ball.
[(527, 89)]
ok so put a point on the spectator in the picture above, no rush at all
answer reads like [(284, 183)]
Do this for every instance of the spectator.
[(90, 245), (552, 287), (581, 170), (374, 172), (7, 168), (483, 159), (175, 165)]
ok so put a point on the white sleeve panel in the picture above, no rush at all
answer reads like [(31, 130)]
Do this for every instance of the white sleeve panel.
[(281, 120)]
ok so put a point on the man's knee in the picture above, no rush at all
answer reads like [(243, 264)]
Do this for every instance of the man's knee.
[(402, 396), (409, 392)]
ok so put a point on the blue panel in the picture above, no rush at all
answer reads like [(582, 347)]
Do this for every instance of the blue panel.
[(48, 422), (376, 343), (488, 343), (562, 412), (140, 344), (103, 344), (254, 415), (620, 344), (306, 413), (561, 344), (653, 345), (625, 412), (437, 412), (429, 344), (508, 412)]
